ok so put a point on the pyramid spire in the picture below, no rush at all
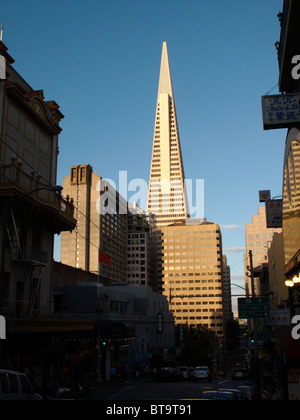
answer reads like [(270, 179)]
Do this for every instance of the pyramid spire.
[(166, 196), (165, 82)]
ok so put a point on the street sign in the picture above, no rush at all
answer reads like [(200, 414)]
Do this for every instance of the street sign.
[(254, 308)]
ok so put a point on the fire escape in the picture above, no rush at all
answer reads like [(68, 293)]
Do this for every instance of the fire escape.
[(32, 260)]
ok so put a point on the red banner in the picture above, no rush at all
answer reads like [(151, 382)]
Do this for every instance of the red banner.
[(104, 258)]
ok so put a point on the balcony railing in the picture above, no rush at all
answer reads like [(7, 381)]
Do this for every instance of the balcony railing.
[(30, 255), (14, 181), (14, 308)]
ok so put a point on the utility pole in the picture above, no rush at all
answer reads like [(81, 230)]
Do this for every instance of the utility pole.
[(254, 329), (253, 294), (251, 274)]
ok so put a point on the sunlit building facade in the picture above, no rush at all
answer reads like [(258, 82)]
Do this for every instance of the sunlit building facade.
[(193, 273), (101, 226), (166, 198), (258, 239)]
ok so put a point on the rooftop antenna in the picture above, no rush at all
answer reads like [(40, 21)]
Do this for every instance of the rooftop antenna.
[(1, 33)]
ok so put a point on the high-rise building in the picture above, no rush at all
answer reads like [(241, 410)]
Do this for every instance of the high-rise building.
[(101, 215), (228, 315), (166, 197), (191, 249), (258, 239), (193, 273), (142, 248)]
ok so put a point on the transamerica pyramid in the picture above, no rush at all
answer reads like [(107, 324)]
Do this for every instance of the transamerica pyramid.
[(166, 196)]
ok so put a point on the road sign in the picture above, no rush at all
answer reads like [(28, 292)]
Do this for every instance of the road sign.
[(254, 308)]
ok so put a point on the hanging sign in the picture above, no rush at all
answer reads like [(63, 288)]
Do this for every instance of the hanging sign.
[(281, 111), (274, 213)]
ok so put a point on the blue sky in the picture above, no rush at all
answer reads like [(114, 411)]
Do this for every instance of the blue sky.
[(100, 60)]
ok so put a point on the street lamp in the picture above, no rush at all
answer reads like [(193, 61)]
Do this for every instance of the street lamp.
[(233, 284), (54, 188)]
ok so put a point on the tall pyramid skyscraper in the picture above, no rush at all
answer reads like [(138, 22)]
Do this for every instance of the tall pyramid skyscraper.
[(166, 197)]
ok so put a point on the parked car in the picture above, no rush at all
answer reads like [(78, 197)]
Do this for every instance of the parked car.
[(236, 392), (201, 372), (16, 386), (191, 372), (184, 370), (217, 395), (247, 391), (65, 393), (169, 374), (239, 373)]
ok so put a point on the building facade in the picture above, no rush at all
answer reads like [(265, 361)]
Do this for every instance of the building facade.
[(142, 249), (166, 197), (228, 314), (31, 205), (193, 273), (258, 240), (136, 326), (278, 290), (101, 215)]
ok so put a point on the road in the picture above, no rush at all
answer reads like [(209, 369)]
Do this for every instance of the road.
[(144, 390)]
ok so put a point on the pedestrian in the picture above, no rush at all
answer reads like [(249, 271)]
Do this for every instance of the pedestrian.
[(126, 371), (86, 386), (113, 373)]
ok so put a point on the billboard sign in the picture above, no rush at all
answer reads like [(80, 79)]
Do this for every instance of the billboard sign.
[(279, 317), (274, 213), (281, 111)]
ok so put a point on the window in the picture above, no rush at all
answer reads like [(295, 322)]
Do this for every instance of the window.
[(26, 387), (73, 174), (83, 174), (3, 383), (14, 385)]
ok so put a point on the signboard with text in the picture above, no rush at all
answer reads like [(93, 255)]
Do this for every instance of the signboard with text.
[(254, 308), (281, 111), (293, 384), (274, 213), (279, 317)]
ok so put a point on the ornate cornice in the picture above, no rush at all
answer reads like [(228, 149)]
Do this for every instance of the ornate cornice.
[(45, 113)]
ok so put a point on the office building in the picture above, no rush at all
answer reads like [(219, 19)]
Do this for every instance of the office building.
[(258, 239), (228, 314), (101, 215), (166, 197), (142, 248), (192, 271)]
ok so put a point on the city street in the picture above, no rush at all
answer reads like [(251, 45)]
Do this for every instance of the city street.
[(144, 390)]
